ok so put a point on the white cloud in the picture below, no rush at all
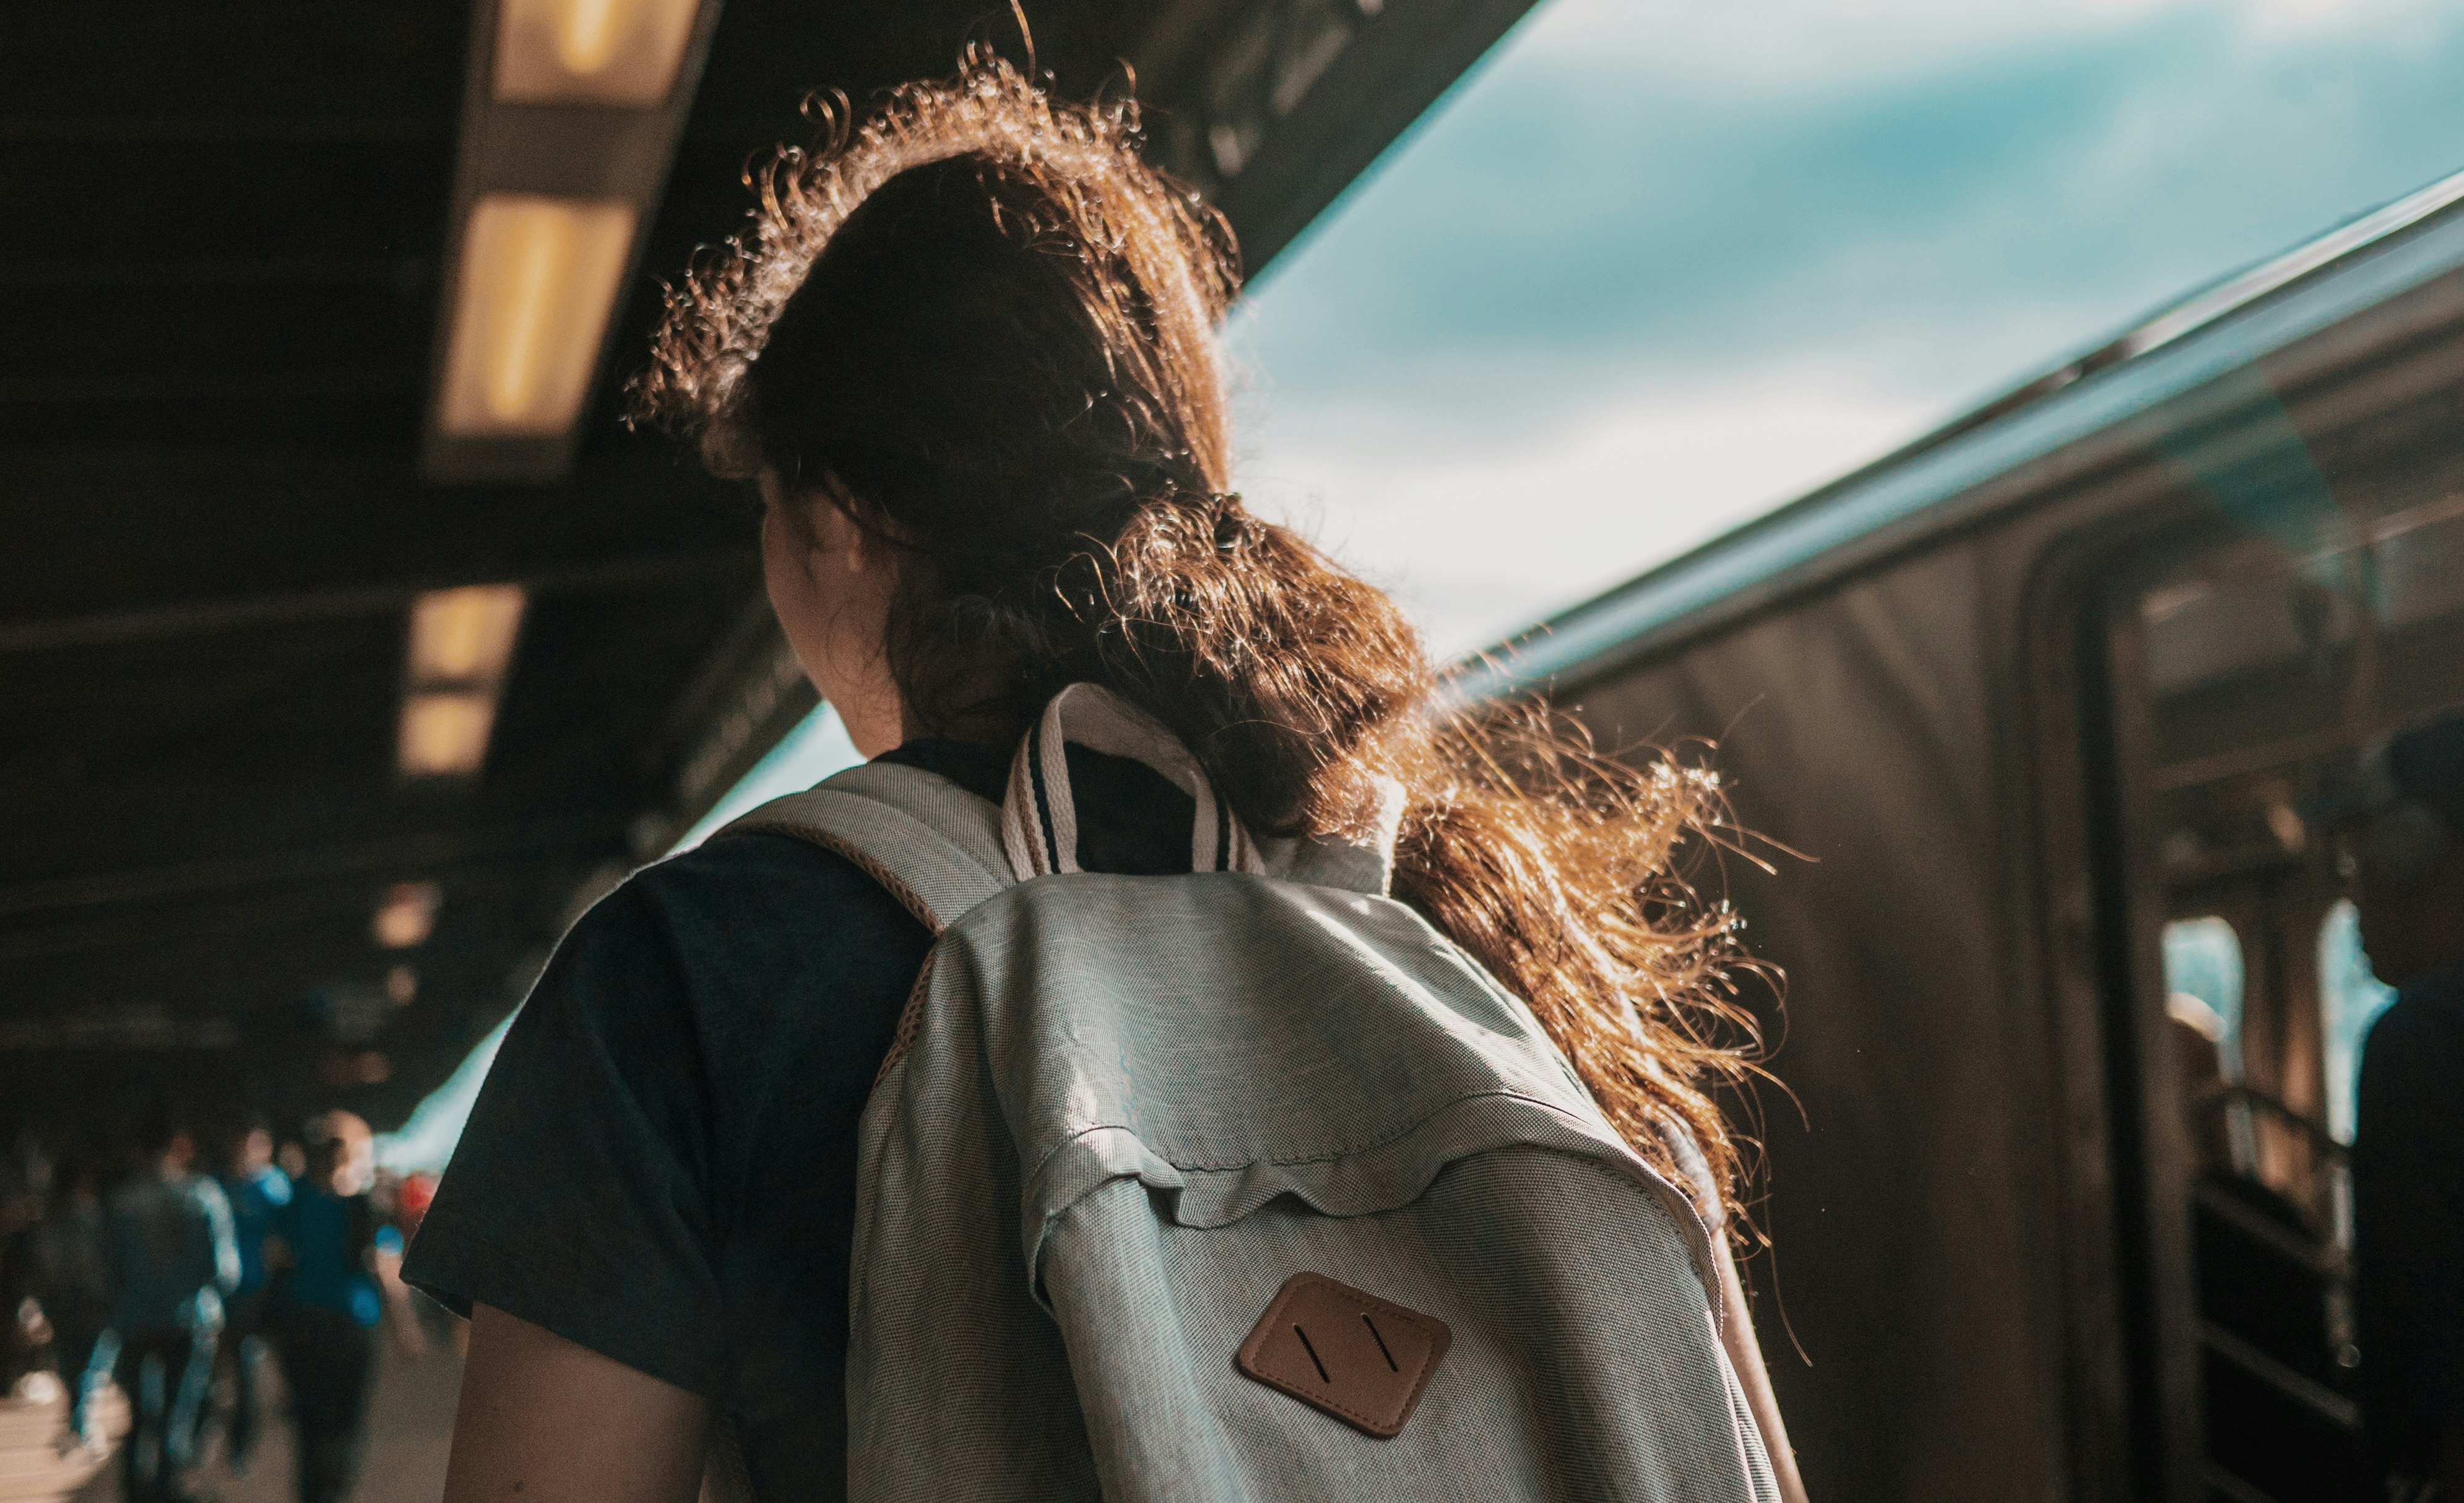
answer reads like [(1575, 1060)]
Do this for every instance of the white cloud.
[(1479, 539)]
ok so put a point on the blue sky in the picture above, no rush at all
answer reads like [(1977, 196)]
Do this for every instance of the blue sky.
[(1657, 266)]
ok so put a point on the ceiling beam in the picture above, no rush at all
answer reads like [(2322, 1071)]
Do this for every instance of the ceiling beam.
[(223, 615), (207, 538), (584, 837), (324, 906), (270, 386), (131, 274), (74, 130)]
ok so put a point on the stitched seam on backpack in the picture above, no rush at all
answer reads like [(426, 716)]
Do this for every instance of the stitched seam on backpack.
[(1328, 1402), (1343, 1151), (911, 1020), (908, 897)]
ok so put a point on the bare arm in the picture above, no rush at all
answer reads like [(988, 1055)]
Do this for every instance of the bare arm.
[(549, 1422), (1746, 1354)]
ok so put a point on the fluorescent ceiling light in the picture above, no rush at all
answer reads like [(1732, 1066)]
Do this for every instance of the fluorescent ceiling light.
[(406, 915), (621, 52), (464, 636), (445, 733), (539, 279)]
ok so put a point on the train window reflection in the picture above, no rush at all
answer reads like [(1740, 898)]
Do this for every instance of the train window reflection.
[(2350, 1000), (2202, 980)]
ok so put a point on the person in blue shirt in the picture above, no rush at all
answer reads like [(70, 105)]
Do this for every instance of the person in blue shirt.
[(324, 1244), (173, 1258), (2408, 1158), (257, 1190)]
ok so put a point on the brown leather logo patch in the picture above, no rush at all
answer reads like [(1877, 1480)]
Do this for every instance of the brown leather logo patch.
[(1353, 1355)]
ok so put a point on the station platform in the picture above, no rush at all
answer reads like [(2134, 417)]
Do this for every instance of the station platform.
[(410, 1433)]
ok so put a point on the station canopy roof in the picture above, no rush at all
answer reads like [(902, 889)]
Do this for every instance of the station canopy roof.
[(340, 662)]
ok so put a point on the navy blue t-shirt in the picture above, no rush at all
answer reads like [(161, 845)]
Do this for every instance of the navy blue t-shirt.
[(661, 1165)]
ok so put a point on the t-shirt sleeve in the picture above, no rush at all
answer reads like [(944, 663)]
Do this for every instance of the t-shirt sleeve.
[(577, 1199)]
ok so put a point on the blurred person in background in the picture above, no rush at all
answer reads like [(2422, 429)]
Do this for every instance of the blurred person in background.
[(424, 1319), (2408, 1143), (256, 1191), (326, 1245), (25, 1334), (173, 1259), (61, 1265), (411, 1202), (392, 1236)]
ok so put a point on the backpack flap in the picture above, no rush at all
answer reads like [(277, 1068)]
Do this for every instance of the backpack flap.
[(1272, 1039)]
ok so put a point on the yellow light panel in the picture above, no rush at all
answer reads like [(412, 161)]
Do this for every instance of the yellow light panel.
[(444, 734), (406, 915), (464, 636), (619, 52), (539, 279)]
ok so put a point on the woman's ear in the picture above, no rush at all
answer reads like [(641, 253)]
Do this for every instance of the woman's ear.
[(831, 521), (839, 532), (831, 580)]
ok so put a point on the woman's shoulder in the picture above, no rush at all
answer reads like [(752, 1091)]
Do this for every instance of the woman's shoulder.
[(752, 890), (771, 891), (711, 941)]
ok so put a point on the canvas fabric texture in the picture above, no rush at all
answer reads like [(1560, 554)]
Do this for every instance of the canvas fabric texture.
[(1123, 1111)]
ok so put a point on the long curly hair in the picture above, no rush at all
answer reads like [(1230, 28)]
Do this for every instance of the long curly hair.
[(977, 321)]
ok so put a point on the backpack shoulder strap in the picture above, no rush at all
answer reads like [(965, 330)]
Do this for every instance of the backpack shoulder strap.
[(934, 846)]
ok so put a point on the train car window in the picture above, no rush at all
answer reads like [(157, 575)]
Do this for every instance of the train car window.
[(2204, 973), (2202, 980), (2266, 665)]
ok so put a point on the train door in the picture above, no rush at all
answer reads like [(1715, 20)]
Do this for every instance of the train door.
[(2249, 667)]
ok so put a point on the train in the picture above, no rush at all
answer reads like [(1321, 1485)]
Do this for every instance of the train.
[(2055, 703)]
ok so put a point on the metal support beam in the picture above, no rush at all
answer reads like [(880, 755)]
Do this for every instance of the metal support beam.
[(1276, 109), (584, 835), (223, 615)]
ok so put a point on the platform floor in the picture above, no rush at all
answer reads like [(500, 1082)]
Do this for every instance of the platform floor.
[(410, 1428)]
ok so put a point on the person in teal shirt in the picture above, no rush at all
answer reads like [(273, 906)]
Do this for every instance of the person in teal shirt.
[(256, 1191), (322, 1245)]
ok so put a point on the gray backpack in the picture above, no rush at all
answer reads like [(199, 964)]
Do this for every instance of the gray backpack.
[(1240, 1185)]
